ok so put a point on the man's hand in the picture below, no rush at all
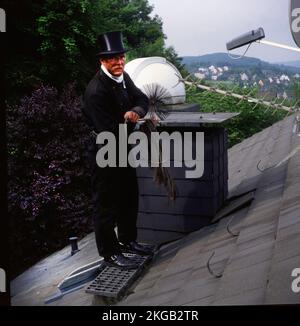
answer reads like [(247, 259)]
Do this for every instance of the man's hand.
[(131, 116)]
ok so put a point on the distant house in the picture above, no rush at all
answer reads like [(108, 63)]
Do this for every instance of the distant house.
[(284, 78), (244, 77), (199, 75), (283, 95), (213, 70)]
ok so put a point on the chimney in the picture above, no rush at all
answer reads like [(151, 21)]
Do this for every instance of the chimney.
[(198, 199)]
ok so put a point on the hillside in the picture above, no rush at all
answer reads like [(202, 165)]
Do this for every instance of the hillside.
[(222, 59), (277, 80), (290, 63)]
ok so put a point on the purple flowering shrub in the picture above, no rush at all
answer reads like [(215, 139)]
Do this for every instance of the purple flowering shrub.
[(49, 195)]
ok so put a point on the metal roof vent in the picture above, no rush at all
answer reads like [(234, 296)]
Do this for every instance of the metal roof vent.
[(157, 71)]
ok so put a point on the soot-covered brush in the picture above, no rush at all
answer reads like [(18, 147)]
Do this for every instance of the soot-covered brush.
[(157, 96)]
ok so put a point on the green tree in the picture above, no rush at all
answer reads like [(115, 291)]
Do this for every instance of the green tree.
[(171, 55), (143, 34), (52, 43), (248, 122), (56, 41)]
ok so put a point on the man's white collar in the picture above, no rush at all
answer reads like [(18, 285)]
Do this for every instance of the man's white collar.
[(115, 78)]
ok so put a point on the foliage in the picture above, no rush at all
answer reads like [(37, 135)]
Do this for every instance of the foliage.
[(296, 91), (247, 123), (171, 55), (57, 40), (48, 190), (53, 43)]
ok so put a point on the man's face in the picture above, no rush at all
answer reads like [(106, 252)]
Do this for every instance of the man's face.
[(115, 65)]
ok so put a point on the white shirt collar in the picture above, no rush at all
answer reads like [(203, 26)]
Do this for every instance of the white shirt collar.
[(115, 78)]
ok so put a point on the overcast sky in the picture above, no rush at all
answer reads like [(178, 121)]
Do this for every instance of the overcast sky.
[(197, 27)]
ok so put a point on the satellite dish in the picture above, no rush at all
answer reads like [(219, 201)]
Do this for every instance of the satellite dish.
[(157, 76), (294, 15)]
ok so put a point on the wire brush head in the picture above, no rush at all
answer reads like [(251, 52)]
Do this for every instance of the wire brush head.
[(157, 95)]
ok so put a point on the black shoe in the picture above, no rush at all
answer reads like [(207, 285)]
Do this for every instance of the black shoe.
[(120, 261), (136, 248)]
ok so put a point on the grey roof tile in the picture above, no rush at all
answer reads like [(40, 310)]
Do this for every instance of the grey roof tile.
[(193, 292), (199, 302), (237, 282), (279, 288), (289, 231), (288, 247), (134, 298), (251, 256), (164, 299), (249, 297), (170, 282)]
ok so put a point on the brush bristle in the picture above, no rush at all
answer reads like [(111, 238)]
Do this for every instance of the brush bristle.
[(161, 174), (157, 95)]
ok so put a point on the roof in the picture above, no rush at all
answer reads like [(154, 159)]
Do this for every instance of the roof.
[(247, 257)]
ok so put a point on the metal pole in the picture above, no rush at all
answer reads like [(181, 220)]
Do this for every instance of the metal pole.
[(278, 45), (74, 245)]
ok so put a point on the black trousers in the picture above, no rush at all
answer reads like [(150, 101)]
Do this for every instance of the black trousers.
[(115, 203)]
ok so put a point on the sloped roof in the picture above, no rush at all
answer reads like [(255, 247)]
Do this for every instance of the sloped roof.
[(246, 257)]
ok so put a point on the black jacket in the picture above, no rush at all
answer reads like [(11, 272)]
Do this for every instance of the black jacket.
[(106, 101)]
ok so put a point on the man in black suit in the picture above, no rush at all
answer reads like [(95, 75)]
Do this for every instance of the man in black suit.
[(111, 98)]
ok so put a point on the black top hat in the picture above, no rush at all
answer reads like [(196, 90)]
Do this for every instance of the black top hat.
[(111, 43)]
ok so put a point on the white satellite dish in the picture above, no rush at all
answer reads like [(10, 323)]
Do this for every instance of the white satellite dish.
[(157, 72)]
